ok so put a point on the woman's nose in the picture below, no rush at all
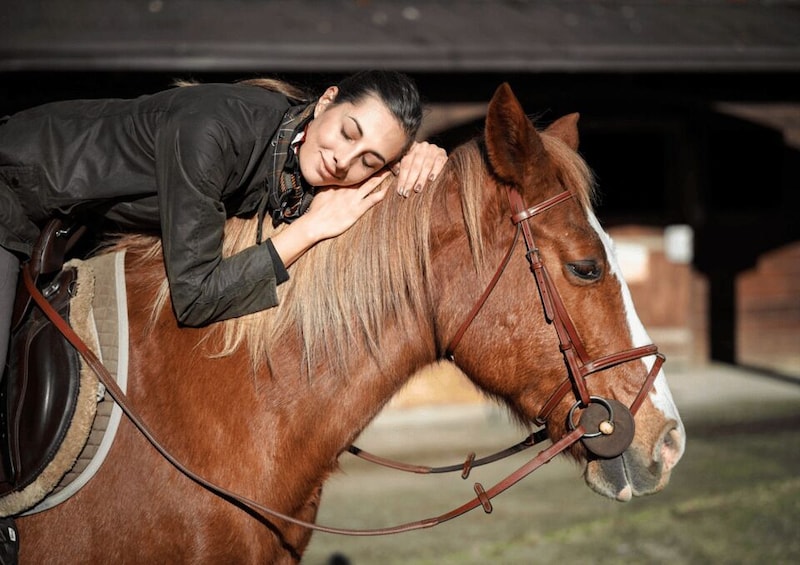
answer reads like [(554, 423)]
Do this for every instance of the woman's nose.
[(342, 161)]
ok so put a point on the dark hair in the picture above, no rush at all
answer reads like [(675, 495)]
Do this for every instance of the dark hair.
[(396, 90)]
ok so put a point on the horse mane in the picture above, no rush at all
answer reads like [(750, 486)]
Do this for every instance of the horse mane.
[(344, 292)]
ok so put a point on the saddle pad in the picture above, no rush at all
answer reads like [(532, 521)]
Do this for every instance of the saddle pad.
[(104, 328)]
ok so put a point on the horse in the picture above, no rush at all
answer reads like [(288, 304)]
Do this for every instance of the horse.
[(264, 405)]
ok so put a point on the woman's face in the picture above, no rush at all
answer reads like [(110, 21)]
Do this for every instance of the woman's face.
[(347, 143)]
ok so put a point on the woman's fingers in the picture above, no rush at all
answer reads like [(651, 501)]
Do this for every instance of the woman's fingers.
[(419, 166), (335, 209)]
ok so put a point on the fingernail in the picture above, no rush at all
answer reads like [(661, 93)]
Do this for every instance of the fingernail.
[(431, 177), (418, 188)]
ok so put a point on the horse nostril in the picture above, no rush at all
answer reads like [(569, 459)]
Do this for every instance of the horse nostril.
[(671, 448)]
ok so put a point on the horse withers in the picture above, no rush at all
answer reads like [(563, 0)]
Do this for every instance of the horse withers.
[(501, 264)]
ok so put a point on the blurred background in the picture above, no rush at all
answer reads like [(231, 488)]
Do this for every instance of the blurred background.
[(690, 118)]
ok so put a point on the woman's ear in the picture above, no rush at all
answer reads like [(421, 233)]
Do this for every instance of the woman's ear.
[(326, 99)]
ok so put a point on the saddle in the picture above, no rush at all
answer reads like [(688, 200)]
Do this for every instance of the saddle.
[(41, 382)]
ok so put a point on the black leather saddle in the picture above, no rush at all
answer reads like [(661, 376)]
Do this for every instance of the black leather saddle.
[(40, 384)]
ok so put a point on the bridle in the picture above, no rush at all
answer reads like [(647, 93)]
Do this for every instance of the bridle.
[(579, 365), (612, 420), (579, 368)]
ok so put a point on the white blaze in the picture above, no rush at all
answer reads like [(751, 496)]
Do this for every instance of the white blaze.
[(660, 396)]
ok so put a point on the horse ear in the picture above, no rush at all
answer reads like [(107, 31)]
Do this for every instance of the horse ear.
[(566, 129), (510, 136)]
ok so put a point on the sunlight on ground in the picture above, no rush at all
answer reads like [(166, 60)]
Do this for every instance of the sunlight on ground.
[(441, 383)]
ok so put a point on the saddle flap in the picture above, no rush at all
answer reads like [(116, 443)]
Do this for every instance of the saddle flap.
[(40, 389)]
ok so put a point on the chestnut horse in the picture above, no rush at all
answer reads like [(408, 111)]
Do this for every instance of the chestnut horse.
[(264, 405)]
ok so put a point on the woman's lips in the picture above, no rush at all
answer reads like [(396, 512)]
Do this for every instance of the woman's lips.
[(327, 172)]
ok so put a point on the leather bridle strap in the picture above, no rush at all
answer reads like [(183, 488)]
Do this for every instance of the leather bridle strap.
[(605, 363), (517, 219), (555, 311), (450, 351), (579, 364), (482, 498)]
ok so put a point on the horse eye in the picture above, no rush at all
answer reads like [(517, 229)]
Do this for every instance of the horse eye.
[(586, 270)]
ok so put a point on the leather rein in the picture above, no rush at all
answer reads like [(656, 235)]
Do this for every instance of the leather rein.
[(555, 312)]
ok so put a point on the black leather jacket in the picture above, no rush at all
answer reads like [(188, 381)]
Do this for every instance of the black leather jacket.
[(180, 161)]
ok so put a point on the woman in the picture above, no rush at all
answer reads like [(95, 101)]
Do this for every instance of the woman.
[(184, 160)]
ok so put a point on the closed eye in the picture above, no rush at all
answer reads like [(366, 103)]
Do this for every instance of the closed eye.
[(372, 161), (371, 164), (587, 270)]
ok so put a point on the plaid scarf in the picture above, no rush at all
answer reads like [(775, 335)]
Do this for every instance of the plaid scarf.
[(287, 194)]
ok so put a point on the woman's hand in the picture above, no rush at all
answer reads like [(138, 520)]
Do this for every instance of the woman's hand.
[(332, 212), (334, 209), (419, 166)]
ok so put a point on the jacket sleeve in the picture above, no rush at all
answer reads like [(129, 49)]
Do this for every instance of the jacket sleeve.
[(197, 159)]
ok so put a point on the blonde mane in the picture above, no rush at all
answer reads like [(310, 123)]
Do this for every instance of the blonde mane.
[(345, 291)]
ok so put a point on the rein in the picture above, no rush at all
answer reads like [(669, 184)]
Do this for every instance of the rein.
[(571, 346)]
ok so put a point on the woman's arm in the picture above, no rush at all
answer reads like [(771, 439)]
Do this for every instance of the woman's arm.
[(333, 210), (196, 155)]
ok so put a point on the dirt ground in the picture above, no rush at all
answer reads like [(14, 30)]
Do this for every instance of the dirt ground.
[(734, 498)]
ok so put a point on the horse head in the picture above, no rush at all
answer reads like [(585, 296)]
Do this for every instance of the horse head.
[(558, 331)]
